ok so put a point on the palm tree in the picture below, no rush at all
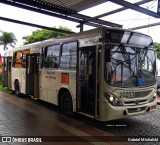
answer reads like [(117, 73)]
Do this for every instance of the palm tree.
[(7, 38)]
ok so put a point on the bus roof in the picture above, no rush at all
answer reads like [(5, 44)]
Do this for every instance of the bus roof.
[(72, 37)]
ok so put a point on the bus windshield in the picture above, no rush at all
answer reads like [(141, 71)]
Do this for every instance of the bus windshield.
[(130, 66)]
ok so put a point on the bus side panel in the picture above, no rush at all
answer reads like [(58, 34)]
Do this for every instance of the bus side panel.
[(47, 82), (16, 75), (42, 89), (50, 84), (72, 87)]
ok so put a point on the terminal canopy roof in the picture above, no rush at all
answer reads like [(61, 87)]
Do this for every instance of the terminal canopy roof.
[(112, 13)]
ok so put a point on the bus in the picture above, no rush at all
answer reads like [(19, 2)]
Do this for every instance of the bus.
[(103, 73)]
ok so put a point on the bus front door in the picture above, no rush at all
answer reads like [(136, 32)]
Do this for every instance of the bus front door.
[(6, 79), (87, 81), (32, 63)]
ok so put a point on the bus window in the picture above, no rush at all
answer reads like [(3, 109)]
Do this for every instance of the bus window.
[(25, 52), (51, 59), (83, 63), (69, 56), (17, 59)]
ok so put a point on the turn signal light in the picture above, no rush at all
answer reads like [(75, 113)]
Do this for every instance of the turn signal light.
[(153, 107)]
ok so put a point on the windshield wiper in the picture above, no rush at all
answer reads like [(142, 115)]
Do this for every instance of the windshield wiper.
[(126, 56)]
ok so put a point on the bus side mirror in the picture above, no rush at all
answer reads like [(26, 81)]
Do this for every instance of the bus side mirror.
[(107, 54)]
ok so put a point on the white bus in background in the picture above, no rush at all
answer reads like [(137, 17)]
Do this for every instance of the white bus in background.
[(104, 73)]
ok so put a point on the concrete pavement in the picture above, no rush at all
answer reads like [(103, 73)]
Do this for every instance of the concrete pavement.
[(25, 117)]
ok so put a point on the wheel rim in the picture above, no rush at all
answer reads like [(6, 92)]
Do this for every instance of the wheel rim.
[(67, 104), (17, 88)]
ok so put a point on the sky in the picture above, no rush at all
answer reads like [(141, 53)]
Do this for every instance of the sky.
[(127, 18)]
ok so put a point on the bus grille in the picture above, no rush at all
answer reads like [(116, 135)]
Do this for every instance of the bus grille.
[(133, 110), (132, 103), (142, 94)]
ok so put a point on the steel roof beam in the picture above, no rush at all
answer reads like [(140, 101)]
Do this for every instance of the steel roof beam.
[(34, 25), (42, 8), (136, 8), (100, 22), (115, 11), (120, 9), (39, 10), (46, 12), (145, 26)]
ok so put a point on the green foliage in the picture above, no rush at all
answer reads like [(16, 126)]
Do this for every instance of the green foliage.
[(158, 54), (0, 78), (7, 38), (157, 45), (44, 34), (4, 89)]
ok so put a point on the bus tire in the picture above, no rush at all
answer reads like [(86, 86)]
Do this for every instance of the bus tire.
[(66, 105), (17, 90)]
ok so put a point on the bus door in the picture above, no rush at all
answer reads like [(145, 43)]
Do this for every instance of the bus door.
[(32, 63), (87, 81), (7, 72)]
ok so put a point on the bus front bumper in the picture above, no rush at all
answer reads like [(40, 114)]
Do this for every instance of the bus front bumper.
[(110, 112)]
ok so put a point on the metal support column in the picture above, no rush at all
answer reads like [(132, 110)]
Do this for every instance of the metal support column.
[(81, 26)]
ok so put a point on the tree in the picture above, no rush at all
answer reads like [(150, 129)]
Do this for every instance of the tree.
[(44, 34), (157, 45), (7, 38)]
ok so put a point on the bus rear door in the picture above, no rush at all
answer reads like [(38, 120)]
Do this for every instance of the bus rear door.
[(6, 79), (32, 63)]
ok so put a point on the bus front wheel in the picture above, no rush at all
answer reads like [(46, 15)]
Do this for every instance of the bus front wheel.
[(66, 105)]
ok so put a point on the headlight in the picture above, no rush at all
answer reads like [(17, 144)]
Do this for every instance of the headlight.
[(153, 98), (113, 100)]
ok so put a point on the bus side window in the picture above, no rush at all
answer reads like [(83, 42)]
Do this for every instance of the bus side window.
[(69, 56), (18, 59), (83, 63), (25, 52), (51, 58)]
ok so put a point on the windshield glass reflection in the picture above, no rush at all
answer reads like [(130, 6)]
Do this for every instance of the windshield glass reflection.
[(130, 66)]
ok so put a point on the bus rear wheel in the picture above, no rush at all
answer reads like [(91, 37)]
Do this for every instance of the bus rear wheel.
[(66, 105), (17, 92)]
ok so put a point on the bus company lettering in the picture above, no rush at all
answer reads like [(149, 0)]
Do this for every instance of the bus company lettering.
[(50, 75), (89, 41), (93, 40)]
